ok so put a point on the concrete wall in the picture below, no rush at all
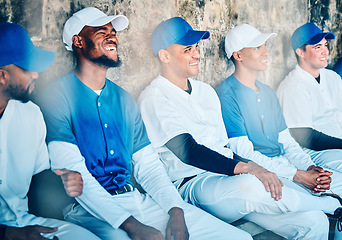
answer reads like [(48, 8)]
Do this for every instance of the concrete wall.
[(44, 21)]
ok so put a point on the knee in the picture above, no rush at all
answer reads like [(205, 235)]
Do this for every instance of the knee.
[(317, 222)]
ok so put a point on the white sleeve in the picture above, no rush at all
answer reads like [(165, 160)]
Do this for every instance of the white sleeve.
[(42, 159), (151, 175), (293, 152), (279, 165), (95, 199)]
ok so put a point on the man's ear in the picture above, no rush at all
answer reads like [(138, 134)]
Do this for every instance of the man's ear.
[(77, 41), (164, 55), (300, 52), (237, 56), (4, 77)]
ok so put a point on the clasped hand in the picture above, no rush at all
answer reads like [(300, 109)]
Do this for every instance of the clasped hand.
[(314, 178)]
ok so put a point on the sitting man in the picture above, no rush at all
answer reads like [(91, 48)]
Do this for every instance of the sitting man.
[(311, 98), (256, 126), (184, 123), (95, 128), (23, 151)]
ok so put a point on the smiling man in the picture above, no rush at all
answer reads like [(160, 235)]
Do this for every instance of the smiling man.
[(23, 151), (311, 98), (95, 126)]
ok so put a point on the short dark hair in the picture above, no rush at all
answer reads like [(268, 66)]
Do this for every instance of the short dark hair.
[(303, 47), (233, 60)]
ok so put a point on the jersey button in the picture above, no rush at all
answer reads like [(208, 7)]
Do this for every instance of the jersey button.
[(105, 125), (99, 104), (259, 100), (111, 151)]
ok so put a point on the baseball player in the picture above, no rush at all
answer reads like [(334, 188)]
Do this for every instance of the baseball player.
[(310, 97), (23, 151), (256, 126), (95, 127), (184, 123)]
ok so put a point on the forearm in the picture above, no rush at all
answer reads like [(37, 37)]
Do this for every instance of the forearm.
[(151, 175), (95, 199), (293, 152), (194, 154), (315, 140), (279, 165)]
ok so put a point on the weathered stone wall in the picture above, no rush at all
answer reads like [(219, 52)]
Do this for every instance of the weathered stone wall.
[(44, 21)]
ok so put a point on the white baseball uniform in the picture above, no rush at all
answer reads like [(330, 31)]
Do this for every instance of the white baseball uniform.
[(307, 103), (23, 153)]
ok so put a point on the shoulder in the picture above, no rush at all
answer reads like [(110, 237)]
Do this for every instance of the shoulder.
[(115, 89), (225, 87), (25, 108), (119, 95), (201, 86), (292, 82), (264, 87), (28, 112), (57, 87), (153, 90), (331, 74)]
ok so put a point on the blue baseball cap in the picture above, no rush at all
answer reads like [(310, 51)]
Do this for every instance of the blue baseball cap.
[(17, 48), (175, 30), (309, 34)]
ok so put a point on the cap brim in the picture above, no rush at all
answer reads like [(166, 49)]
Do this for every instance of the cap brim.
[(119, 22), (193, 37), (319, 37), (260, 39), (37, 61)]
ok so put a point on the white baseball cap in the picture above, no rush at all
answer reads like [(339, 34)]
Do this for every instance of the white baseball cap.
[(245, 36), (91, 17)]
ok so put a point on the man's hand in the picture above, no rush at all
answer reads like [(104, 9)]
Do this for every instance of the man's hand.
[(73, 182), (316, 180), (29, 232), (176, 227), (324, 180), (270, 180), (138, 231)]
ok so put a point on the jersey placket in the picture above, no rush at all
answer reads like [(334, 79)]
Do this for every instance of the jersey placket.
[(105, 128)]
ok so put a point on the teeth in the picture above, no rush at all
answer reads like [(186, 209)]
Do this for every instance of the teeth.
[(110, 48), (191, 64)]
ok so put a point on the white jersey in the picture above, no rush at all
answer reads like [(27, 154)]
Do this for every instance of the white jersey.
[(168, 111), (23, 153), (307, 103)]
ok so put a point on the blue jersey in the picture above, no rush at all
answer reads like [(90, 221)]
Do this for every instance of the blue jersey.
[(107, 128), (256, 115)]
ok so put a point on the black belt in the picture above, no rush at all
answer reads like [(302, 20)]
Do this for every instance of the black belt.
[(124, 189), (185, 180)]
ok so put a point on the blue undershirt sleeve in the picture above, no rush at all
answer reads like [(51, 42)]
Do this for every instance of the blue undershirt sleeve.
[(190, 152), (315, 140)]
